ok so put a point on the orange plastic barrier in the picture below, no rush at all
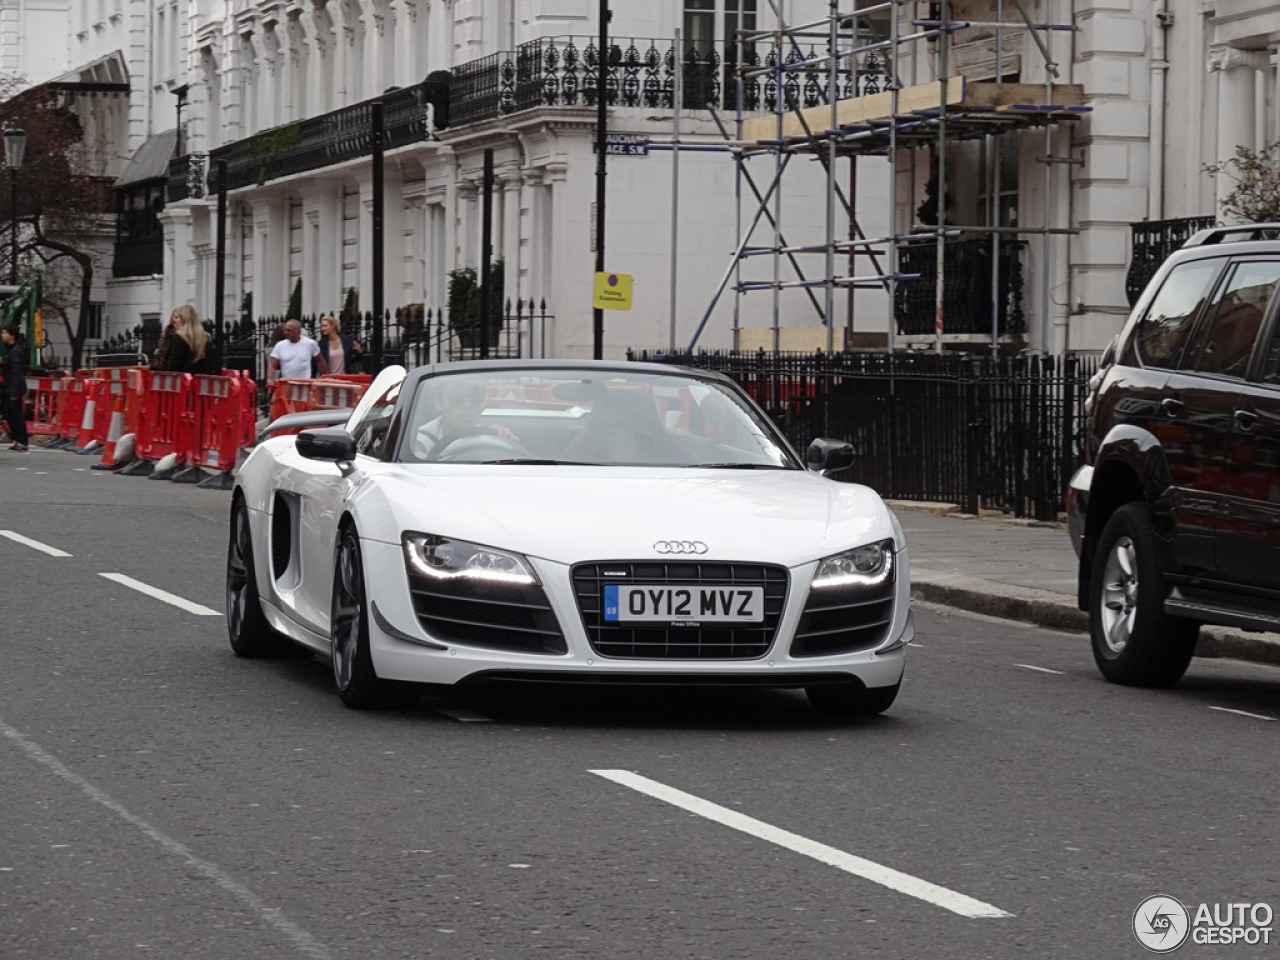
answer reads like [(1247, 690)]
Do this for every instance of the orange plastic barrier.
[(290, 396), (336, 394), (71, 402), (43, 394), (165, 421), (216, 422)]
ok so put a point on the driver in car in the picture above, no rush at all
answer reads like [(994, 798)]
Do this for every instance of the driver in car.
[(461, 405)]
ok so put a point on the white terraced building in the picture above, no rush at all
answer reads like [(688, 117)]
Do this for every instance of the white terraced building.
[(280, 92)]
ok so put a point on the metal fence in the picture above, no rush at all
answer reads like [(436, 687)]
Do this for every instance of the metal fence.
[(409, 337), (987, 433)]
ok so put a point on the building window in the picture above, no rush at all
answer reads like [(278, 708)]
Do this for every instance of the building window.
[(139, 211), (93, 321), (709, 21)]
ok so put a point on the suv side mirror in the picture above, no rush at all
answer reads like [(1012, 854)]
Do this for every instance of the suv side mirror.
[(333, 444), (827, 456)]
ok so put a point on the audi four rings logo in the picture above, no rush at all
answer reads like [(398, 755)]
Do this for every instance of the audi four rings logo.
[(680, 546)]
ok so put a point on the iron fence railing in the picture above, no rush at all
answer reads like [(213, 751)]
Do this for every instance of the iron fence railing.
[(413, 338), (1153, 241), (987, 433)]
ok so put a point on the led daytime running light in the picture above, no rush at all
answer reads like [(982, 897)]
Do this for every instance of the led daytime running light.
[(416, 545), (872, 579)]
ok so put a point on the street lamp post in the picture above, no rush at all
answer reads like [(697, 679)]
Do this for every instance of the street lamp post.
[(15, 145), (602, 127)]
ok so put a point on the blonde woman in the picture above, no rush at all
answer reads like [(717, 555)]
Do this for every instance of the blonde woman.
[(189, 343), (340, 351)]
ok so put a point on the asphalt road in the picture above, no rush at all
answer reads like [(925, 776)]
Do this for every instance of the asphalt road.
[(161, 798)]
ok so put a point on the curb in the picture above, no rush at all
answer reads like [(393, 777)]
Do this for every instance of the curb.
[(1059, 612)]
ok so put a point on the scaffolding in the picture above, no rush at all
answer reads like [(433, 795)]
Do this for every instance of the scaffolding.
[(885, 117)]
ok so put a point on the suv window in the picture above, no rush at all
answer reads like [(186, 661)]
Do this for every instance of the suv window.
[(1225, 343), (1163, 332), (371, 431)]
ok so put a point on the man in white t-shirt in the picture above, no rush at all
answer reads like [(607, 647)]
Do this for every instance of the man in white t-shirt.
[(291, 358)]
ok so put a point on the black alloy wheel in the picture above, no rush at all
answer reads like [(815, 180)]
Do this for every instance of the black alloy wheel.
[(353, 674), (247, 627)]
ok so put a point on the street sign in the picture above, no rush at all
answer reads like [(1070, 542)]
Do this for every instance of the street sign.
[(612, 291), (624, 145)]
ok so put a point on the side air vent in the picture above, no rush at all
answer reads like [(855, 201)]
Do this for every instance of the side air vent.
[(281, 536)]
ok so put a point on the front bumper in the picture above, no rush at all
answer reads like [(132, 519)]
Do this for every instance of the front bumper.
[(402, 650)]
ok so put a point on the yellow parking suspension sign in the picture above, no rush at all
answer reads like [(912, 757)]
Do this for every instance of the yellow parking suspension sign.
[(612, 291)]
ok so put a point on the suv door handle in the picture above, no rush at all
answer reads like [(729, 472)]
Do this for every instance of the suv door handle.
[(1171, 406), (1245, 419)]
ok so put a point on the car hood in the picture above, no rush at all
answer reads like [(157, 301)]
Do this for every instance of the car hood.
[(569, 515)]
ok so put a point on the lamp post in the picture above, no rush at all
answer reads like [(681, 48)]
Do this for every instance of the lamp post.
[(602, 127), (15, 145)]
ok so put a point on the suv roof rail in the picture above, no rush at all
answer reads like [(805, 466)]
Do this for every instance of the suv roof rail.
[(1218, 234)]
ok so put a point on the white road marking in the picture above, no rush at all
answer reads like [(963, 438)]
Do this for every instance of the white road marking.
[(1243, 713), (1028, 666), (876, 873), (34, 544), (273, 916), (158, 594)]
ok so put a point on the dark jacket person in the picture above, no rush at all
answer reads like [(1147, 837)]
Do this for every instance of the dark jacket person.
[(14, 369)]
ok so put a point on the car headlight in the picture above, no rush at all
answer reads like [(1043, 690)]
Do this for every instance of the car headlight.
[(862, 566), (441, 558)]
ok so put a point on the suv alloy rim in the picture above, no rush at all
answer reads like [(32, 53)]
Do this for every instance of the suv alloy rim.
[(1119, 594)]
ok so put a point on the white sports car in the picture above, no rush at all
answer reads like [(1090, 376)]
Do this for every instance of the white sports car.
[(565, 521)]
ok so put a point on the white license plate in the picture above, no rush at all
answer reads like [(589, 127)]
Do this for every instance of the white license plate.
[(641, 603)]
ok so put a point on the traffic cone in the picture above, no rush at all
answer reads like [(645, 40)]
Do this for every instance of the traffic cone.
[(114, 432), (86, 443)]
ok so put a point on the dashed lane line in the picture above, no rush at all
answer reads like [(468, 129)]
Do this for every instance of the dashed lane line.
[(301, 940), (1243, 713), (1029, 666), (33, 544), (866, 869), (158, 594)]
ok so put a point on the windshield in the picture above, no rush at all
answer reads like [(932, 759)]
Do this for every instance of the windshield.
[(560, 416)]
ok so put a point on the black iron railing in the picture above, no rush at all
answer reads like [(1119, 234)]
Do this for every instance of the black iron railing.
[(986, 433), (967, 300), (641, 72), (1153, 241), (555, 72)]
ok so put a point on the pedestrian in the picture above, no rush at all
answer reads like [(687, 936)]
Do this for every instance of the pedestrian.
[(14, 369), (340, 350), (292, 357), (188, 350)]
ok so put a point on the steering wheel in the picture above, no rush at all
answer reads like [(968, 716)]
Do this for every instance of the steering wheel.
[(476, 443)]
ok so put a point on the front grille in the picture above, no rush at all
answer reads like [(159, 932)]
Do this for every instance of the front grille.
[(844, 620), (662, 642), (498, 616)]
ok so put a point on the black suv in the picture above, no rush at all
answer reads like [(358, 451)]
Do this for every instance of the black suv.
[(1176, 513)]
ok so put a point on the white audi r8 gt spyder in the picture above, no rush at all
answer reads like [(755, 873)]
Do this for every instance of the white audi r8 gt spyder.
[(562, 522)]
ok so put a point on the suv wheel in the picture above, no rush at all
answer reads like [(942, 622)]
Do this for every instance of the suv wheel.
[(1134, 641)]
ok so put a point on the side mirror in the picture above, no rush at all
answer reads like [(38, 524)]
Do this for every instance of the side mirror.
[(333, 444), (827, 456)]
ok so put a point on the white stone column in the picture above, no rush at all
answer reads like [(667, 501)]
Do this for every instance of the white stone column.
[(371, 19), (270, 256), (393, 239), (1237, 89), (175, 286), (404, 19), (572, 267), (467, 193), (323, 206), (509, 249), (532, 284), (364, 245)]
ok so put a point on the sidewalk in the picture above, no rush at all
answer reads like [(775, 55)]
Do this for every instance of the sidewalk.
[(1022, 570)]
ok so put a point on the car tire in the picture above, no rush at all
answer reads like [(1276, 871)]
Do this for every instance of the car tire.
[(851, 699), (247, 627), (1134, 641), (354, 677)]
